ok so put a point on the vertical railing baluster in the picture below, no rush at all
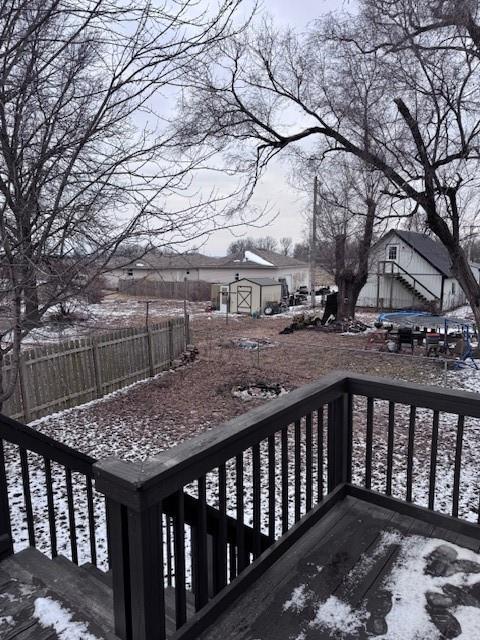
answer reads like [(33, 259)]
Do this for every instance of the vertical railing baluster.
[(458, 466), (410, 451), (27, 496), (271, 487), (168, 537), (50, 507), (200, 556), (320, 448), (91, 522), (284, 454), (298, 462), (433, 461), (349, 437), (220, 577), (179, 559), (369, 444), (241, 557), (6, 542), (256, 500), (308, 462), (232, 562), (71, 515), (390, 441)]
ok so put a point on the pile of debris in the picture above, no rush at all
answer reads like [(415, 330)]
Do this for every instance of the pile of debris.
[(189, 355), (336, 326), (259, 391), (249, 344), (345, 326)]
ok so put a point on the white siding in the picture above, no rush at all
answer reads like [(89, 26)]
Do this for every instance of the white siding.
[(391, 292), (295, 276)]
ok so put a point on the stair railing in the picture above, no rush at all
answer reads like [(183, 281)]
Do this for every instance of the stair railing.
[(390, 267)]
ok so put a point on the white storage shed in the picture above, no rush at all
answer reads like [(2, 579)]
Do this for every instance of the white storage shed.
[(251, 295)]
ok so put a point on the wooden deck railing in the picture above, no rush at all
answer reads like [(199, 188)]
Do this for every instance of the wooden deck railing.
[(208, 516)]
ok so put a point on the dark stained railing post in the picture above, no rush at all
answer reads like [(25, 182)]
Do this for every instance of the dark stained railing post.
[(339, 441), (136, 555), (6, 544)]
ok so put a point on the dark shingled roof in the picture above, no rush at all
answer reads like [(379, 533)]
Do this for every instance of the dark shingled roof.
[(433, 251)]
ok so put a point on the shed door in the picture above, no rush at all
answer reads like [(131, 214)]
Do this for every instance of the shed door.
[(244, 299)]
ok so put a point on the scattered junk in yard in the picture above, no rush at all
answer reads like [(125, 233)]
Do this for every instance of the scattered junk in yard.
[(439, 336), (260, 391)]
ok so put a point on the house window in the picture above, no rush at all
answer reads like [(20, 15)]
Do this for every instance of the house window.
[(130, 272), (392, 252)]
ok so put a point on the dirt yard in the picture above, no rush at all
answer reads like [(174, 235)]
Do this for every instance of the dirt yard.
[(151, 416)]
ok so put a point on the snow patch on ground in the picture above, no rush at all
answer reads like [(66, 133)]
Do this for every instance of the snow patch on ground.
[(298, 599), (50, 613), (338, 617)]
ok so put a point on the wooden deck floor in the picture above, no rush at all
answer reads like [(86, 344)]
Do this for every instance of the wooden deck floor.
[(345, 556)]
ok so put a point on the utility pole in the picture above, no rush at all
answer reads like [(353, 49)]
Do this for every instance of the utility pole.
[(470, 243), (313, 242), (185, 314)]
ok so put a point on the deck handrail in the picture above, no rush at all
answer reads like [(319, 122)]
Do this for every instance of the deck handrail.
[(160, 476), (150, 481)]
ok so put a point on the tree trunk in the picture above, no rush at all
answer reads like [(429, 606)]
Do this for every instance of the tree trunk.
[(31, 302), (349, 281)]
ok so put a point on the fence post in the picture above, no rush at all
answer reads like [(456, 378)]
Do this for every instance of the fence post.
[(151, 366), (97, 369), (6, 542), (23, 389), (187, 330), (135, 533), (339, 444), (171, 355)]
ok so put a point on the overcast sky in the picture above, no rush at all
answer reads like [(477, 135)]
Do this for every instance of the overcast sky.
[(274, 190)]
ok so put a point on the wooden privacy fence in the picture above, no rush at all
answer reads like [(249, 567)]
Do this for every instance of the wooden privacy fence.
[(196, 290), (60, 376)]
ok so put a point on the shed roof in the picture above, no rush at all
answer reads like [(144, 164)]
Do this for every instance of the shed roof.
[(262, 282)]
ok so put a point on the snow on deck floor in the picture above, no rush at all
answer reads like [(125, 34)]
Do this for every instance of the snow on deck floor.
[(433, 587)]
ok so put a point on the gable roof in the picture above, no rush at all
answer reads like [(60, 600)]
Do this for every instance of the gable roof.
[(431, 250), (263, 282), (151, 261), (276, 260), (174, 261)]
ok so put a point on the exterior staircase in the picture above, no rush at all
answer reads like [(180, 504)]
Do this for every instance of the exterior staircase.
[(84, 594), (408, 285)]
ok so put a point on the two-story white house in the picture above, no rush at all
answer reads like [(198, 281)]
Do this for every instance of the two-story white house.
[(410, 270)]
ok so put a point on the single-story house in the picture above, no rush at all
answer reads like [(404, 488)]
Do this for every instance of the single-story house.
[(251, 295), (411, 270), (196, 266)]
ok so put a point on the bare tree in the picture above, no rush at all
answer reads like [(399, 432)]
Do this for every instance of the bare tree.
[(286, 245), (348, 218), (423, 110), (241, 245), (84, 160)]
